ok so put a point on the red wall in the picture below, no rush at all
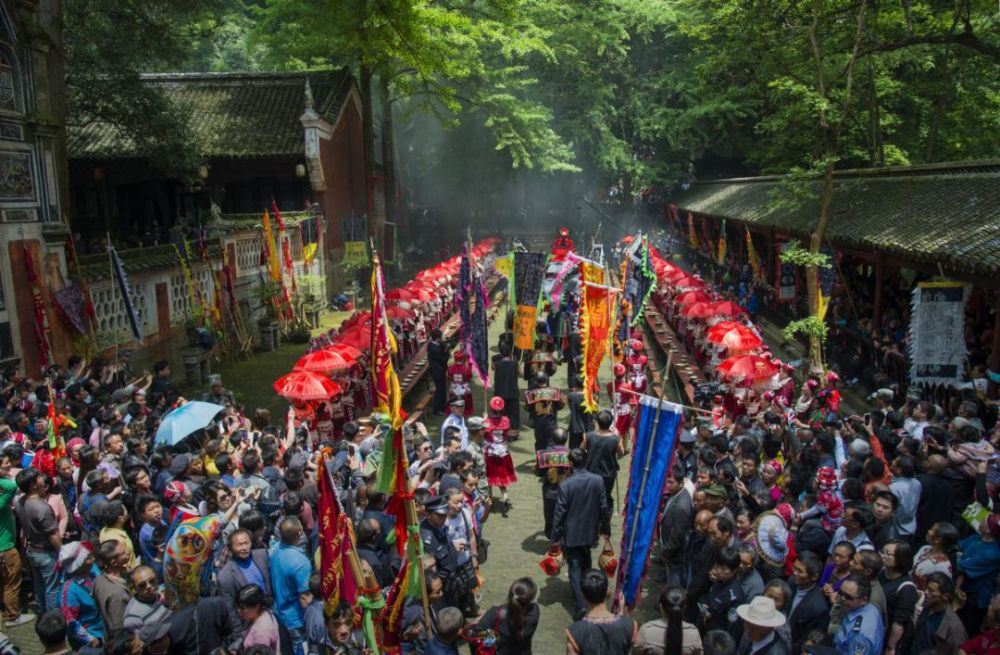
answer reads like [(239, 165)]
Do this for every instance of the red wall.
[(344, 173)]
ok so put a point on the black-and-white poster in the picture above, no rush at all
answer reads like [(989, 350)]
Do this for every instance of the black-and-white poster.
[(937, 333)]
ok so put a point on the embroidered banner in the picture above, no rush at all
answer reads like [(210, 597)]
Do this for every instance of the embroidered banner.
[(595, 327), (71, 301), (787, 282), (529, 270), (937, 332)]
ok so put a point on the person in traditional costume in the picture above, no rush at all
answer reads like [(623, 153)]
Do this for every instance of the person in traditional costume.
[(637, 366), (499, 463), (459, 376), (562, 246), (543, 402), (623, 399)]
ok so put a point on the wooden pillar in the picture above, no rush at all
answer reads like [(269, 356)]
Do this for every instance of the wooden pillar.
[(879, 284), (994, 362)]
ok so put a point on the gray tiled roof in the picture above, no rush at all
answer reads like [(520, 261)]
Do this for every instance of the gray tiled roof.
[(231, 115), (947, 213)]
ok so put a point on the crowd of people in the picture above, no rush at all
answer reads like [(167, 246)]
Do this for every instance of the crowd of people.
[(790, 523)]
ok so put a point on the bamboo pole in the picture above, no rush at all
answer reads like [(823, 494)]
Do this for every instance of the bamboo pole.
[(411, 522)]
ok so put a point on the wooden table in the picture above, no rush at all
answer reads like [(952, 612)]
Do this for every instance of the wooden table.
[(683, 363)]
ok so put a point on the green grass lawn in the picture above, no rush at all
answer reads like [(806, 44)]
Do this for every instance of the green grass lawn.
[(251, 380)]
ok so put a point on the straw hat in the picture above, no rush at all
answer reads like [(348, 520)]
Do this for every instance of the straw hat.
[(761, 611)]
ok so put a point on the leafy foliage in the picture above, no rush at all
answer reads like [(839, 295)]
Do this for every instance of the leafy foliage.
[(810, 327), (799, 256)]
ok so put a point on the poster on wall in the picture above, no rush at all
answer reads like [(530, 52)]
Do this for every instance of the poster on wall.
[(788, 276), (937, 333)]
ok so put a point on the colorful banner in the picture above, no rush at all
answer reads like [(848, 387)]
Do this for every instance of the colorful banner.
[(937, 333), (655, 437), (309, 253), (271, 249), (335, 538), (595, 328), (825, 278), (479, 347), (788, 276), (123, 289), (721, 255), (692, 233), (752, 257), (355, 253), (71, 302), (529, 271), (388, 396)]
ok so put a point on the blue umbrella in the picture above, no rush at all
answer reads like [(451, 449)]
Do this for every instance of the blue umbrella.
[(184, 420)]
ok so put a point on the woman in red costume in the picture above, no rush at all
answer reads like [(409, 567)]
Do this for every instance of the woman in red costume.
[(499, 464)]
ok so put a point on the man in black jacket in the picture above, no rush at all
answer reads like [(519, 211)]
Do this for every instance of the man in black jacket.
[(937, 495), (580, 421), (437, 360), (810, 609), (678, 520), (581, 515)]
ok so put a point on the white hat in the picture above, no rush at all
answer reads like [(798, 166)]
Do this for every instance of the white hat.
[(761, 611)]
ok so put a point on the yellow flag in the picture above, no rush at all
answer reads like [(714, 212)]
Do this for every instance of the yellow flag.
[(505, 266), (308, 252), (273, 269)]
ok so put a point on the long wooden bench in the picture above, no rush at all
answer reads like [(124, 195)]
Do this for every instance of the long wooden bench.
[(682, 363)]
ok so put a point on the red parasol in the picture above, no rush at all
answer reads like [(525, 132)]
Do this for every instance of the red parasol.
[(423, 294), (355, 318), (727, 308), (360, 337), (739, 337), (686, 282), (324, 361), (346, 350), (698, 310), (746, 370), (305, 385), (691, 297), (396, 313), (400, 294)]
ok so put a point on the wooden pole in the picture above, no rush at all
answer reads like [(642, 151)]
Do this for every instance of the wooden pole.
[(411, 521)]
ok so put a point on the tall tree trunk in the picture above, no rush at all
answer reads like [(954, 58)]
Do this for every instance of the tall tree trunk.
[(368, 139), (388, 152), (812, 271)]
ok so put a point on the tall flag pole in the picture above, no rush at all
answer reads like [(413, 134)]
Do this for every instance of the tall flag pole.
[(393, 472)]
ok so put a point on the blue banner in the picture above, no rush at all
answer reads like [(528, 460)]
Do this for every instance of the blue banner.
[(656, 436)]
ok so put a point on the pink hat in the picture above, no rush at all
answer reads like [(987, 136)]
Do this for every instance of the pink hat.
[(789, 368), (619, 370), (174, 492), (496, 404), (775, 466), (826, 478), (74, 442), (832, 376), (768, 396), (787, 514), (812, 384)]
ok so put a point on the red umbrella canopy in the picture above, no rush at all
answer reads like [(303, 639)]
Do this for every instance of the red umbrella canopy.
[(727, 308), (739, 337), (423, 294), (346, 350), (686, 281), (698, 310), (305, 385), (324, 361), (356, 317), (359, 337), (724, 326), (691, 297), (747, 370), (396, 313), (400, 294)]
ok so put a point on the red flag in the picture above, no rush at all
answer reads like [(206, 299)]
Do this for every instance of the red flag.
[(335, 536), (392, 615)]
